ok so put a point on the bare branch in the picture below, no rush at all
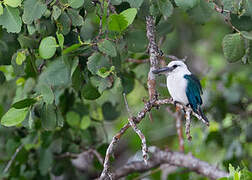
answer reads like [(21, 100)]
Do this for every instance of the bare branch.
[(159, 157), (178, 118), (188, 124), (138, 131), (12, 158), (137, 119), (153, 53), (226, 15), (97, 155)]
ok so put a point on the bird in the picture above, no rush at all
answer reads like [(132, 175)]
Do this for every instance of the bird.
[(183, 86)]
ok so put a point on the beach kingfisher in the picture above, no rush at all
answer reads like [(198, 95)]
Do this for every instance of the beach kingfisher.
[(183, 86)]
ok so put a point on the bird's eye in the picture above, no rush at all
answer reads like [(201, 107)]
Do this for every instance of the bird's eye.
[(174, 66)]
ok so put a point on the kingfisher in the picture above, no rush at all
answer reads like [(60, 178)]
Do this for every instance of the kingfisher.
[(183, 86)]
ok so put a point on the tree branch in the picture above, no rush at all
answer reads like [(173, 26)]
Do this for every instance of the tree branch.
[(159, 157), (188, 124), (153, 53), (178, 117), (12, 158), (137, 119), (137, 130)]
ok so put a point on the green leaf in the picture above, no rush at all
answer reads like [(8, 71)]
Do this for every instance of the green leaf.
[(233, 47), (60, 38), (45, 161), (13, 3), (104, 72), (165, 7), (109, 111), (117, 22), (33, 10), (243, 23), (134, 3), (46, 92), (136, 41), (1, 9), (71, 48), (201, 13), (48, 117), (56, 74), (85, 122), (24, 103), (27, 42), (20, 58), (154, 9), (56, 12), (47, 47), (75, 3), (247, 35), (11, 20), (14, 117), (90, 92), (107, 47), (186, 4), (248, 7), (60, 119), (64, 23), (73, 119), (74, 65), (76, 19), (129, 15), (96, 62), (101, 83)]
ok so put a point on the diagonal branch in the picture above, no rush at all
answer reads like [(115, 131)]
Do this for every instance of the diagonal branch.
[(159, 157), (137, 119), (13, 158), (137, 130)]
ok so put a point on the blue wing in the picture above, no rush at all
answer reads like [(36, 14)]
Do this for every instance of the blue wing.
[(193, 91)]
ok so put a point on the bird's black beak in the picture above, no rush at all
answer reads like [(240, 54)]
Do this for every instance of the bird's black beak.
[(161, 70)]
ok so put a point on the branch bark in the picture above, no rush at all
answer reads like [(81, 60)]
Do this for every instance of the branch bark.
[(153, 53), (106, 174), (159, 157)]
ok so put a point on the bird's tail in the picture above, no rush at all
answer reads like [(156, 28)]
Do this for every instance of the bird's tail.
[(202, 115)]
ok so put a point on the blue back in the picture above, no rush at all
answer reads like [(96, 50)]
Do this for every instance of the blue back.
[(193, 91)]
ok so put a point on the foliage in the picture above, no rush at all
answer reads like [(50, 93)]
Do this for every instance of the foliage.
[(63, 69), (237, 174)]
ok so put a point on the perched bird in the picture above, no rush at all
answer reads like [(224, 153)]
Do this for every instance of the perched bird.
[(183, 86)]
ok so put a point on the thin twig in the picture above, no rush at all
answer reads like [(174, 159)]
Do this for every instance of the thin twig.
[(221, 11), (137, 130), (97, 155), (100, 19), (188, 124), (179, 130), (13, 158)]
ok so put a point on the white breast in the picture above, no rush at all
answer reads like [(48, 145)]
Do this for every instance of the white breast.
[(176, 84)]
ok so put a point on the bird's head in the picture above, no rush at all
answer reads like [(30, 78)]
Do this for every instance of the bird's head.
[(173, 67)]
